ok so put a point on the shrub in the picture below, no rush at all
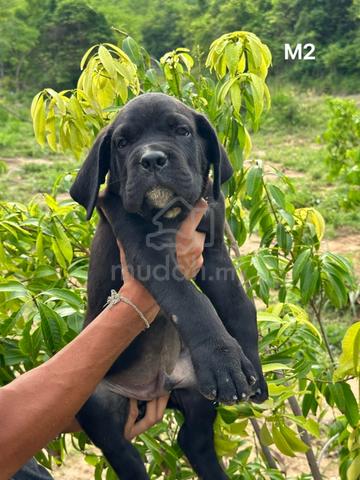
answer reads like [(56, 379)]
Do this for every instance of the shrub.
[(342, 139)]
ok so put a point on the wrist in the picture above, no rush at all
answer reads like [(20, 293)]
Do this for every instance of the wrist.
[(139, 295)]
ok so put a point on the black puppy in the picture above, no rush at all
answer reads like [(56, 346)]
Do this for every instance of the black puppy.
[(202, 346)]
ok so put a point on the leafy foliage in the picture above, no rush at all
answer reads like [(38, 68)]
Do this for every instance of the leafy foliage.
[(342, 139), (44, 252)]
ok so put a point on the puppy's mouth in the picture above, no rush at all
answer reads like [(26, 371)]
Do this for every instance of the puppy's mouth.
[(160, 197)]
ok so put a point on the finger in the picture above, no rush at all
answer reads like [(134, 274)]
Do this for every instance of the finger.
[(132, 416), (193, 267), (193, 245), (199, 242), (192, 221), (122, 253), (148, 421), (161, 406), (199, 262)]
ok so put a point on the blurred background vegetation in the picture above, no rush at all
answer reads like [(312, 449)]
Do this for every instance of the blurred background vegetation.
[(42, 40)]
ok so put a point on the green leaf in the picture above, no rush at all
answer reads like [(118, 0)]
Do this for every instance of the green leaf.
[(284, 239), (349, 358), (39, 115), (351, 406), (281, 442), (86, 56), (12, 354), (187, 60), (277, 196), (232, 55), (14, 287), (309, 281), (287, 217), (299, 264), (30, 343), (92, 459), (132, 49), (262, 269), (257, 89), (235, 96), (238, 428), (63, 244), (256, 213), (308, 399), (265, 435), (69, 297), (314, 217), (337, 393), (272, 367), (40, 246), (53, 328), (254, 182), (107, 60), (294, 442), (353, 472)]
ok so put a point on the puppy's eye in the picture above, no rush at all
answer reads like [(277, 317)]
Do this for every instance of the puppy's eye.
[(122, 142), (184, 131)]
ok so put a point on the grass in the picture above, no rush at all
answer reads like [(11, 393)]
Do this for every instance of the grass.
[(16, 132), (25, 179), (26, 168)]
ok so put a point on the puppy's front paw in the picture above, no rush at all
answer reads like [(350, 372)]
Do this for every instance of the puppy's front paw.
[(223, 372)]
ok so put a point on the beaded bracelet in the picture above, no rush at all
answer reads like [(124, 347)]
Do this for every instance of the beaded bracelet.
[(116, 297)]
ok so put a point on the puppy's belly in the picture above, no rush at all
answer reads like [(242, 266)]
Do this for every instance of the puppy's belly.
[(156, 363)]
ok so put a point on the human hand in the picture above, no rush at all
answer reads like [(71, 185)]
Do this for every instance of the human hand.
[(154, 412), (190, 243)]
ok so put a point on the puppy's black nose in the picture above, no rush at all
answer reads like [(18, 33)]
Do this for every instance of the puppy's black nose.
[(153, 160)]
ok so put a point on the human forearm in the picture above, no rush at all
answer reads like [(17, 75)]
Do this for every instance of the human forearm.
[(42, 402)]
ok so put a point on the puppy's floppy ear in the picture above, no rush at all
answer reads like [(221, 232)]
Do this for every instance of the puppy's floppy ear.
[(92, 174), (215, 153)]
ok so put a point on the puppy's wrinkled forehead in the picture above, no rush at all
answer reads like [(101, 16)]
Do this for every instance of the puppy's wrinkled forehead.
[(154, 110)]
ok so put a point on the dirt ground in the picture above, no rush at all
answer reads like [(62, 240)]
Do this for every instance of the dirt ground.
[(75, 467)]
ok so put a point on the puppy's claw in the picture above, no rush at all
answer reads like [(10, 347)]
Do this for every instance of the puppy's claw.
[(252, 380)]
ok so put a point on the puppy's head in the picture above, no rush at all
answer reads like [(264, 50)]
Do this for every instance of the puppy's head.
[(158, 153)]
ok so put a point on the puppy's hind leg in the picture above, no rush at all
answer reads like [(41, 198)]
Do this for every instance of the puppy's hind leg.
[(196, 436), (103, 418)]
